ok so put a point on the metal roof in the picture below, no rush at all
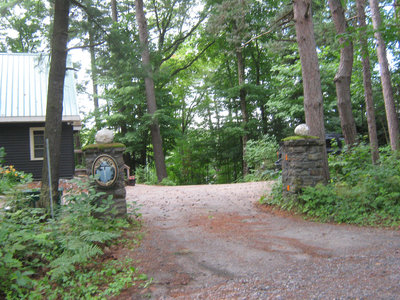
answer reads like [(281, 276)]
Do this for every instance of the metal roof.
[(23, 89)]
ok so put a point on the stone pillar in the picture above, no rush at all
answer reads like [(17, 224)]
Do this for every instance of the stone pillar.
[(105, 159), (301, 163)]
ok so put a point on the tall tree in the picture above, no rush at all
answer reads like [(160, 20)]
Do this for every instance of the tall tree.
[(313, 103), (23, 25), (240, 26), (391, 114), (55, 96), (150, 92), (369, 102), (93, 65), (230, 23), (114, 12), (343, 76)]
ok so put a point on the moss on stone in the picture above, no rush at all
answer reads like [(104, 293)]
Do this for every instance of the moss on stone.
[(300, 137), (103, 146)]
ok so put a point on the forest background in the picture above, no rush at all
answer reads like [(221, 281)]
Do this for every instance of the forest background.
[(226, 73)]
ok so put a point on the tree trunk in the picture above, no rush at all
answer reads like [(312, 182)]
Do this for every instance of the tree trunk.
[(243, 108), (114, 12), (313, 104), (55, 95), (343, 76), (94, 79), (369, 102), (391, 115), (261, 105), (150, 92)]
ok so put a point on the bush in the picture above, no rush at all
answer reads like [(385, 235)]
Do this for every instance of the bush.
[(58, 258), (2, 155), (9, 177), (167, 182), (260, 157), (359, 192), (146, 175)]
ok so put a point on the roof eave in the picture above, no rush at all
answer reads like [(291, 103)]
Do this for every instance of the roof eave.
[(36, 119)]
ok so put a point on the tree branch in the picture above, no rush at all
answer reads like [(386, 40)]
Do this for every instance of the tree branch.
[(86, 46), (286, 18), (193, 60), (174, 46)]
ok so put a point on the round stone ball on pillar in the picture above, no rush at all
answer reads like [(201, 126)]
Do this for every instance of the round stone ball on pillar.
[(105, 159), (104, 136)]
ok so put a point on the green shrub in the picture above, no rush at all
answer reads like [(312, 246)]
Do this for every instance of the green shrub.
[(146, 175), (167, 182), (58, 258), (260, 157), (2, 155), (359, 192), (9, 177)]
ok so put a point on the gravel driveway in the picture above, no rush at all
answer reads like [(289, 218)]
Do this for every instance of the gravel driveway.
[(216, 242)]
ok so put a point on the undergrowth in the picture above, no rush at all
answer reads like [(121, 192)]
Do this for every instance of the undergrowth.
[(260, 157), (61, 258), (359, 192)]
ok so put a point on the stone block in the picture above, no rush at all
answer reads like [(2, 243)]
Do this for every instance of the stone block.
[(315, 156)]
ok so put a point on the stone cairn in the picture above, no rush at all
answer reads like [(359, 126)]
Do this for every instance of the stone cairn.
[(104, 146), (302, 164)]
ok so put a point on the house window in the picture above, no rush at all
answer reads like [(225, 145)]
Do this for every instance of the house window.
[(37, 142)]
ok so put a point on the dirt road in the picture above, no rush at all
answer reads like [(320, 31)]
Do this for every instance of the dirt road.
[(215, 242)]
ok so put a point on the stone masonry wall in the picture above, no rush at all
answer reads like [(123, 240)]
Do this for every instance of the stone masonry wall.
[(301, 164), (118, 189)]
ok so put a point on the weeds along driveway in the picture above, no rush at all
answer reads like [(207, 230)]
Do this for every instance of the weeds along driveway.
[(216, 242)]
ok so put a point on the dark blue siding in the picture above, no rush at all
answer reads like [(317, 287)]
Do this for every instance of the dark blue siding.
[(14, 137)]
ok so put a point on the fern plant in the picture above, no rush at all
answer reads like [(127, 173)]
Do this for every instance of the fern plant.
[(33, 246)]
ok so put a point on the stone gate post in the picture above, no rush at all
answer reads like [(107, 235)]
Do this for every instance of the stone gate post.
[(302, 163), (105, 160)]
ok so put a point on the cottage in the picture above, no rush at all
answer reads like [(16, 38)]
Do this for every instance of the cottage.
[(23, 95)]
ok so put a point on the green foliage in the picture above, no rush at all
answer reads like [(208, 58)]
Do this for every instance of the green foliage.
[(9, 176), (2, 155), (260, 157), (23, 26), (146, 175), (53, 258), (192, 158), (359, 192), (276, 198), (167, 182)]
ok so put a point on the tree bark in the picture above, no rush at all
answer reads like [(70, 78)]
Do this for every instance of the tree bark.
[(391, 115), (150, 92), (55, 94), (313, 103), (243, 106), (369, 102), (94, 78), (343, 76), (114, 12)]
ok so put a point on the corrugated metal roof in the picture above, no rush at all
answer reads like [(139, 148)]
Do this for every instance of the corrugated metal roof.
[(23, 89)]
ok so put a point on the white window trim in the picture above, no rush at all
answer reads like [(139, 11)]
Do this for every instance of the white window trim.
[(32, 142)]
